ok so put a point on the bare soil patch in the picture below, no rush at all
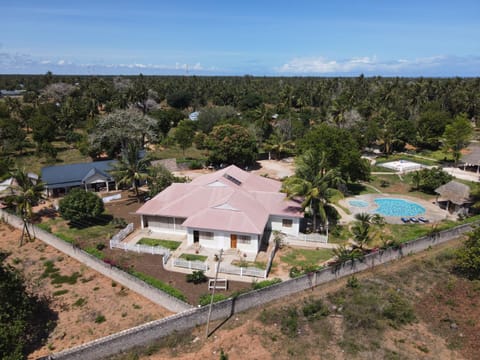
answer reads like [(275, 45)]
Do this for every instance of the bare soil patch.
[(81, 307)]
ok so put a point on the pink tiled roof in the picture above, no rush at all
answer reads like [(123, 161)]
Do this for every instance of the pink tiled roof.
[(230, 199)]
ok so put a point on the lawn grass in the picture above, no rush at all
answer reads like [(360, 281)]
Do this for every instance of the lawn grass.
[(306, 258), (176, 152), (438, 155), (33, 162), (168, 244), (194, 257), (407, 232), (378, 168), (86, 236)]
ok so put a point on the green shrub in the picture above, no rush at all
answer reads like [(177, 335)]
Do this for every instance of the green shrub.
[(95, 252), (289, 322), (193, 257), (60, 292), (100, 246), (206, 298), (295, 272), (45, 227), (197, 277), (265, 283), (352, 282), (195, 165), (223, 356), (159, 285), (398, 310), (119, 223), (79, 204), (100, 319), (314, 309), (80, 302), (65, 238)]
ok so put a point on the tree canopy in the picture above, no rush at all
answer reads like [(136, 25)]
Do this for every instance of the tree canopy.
[(468, 256), (116, 130), (457, 135), (231, 144), (79, 205), (339, 150), (25, 318)]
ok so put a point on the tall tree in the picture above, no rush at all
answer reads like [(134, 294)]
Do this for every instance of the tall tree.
[(315, 185), (116, 130), (340, 150), (231, 144), (457, 135), (130, 170), (184, 134), (26, 194)]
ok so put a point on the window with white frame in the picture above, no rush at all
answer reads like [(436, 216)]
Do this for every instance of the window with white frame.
[(287, 223), (205, 235), (244, 239)]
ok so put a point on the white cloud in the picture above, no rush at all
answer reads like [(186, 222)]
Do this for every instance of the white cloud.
[(373, 65)]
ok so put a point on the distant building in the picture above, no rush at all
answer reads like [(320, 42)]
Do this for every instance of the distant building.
[(194, 115), (11, 93)]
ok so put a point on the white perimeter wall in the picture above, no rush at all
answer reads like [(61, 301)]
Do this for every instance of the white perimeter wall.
[(221, 240), (276, 223)]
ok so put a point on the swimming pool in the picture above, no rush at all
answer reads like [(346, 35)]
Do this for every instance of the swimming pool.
[(358, 203), (398, 207)]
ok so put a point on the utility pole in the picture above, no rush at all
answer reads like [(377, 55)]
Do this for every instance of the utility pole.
[(213, 292)]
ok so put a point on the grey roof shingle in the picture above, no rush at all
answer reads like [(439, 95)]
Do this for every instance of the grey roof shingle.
[(73, 174)]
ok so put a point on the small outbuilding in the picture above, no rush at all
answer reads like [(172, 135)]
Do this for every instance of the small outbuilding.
[(454, 197)]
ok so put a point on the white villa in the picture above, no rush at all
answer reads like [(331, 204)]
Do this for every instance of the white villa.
[(230, 208)]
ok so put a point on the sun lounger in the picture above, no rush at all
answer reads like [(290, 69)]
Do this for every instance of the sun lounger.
[(414, 219), (422, 219), (405, 220)]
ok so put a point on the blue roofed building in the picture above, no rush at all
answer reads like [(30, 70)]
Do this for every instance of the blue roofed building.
[(92, 176)]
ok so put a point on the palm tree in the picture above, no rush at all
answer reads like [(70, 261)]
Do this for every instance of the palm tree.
[(278, 146), (26, 194), (130, 170), (361, 230), (315, 185)]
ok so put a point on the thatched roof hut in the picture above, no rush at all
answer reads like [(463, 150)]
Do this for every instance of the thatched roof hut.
[(455, 192)]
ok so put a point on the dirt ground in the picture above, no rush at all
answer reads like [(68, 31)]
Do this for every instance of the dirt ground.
[(274, 169), (92, 296)]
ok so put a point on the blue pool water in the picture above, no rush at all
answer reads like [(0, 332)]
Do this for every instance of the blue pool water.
[(398, 207), (358, 203)]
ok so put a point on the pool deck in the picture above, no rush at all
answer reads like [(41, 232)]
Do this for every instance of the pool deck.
[(432, 212)]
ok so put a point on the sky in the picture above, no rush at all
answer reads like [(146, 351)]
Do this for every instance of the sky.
[(241, 37)]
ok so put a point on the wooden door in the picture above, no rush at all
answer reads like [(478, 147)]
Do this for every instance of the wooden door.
[(233, 241)]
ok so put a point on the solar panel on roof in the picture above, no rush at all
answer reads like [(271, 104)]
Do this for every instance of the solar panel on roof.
[(232, 179)]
